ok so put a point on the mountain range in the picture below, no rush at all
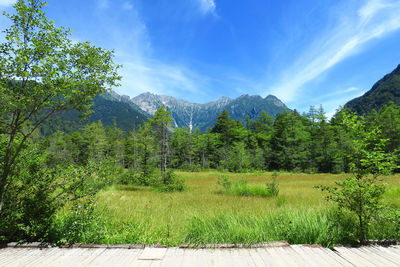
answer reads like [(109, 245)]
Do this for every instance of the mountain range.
[(382, 92), (128, 113), (202, 116)]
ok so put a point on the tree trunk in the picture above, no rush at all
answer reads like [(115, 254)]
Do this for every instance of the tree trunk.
[(134, 155), (163, 151), (202, 158)]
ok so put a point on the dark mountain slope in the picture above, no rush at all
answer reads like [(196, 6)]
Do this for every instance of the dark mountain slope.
[(385, 90), (106, 108)]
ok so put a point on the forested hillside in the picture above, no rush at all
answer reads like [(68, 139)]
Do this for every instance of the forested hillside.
[(291, 142), (384, 91), (107, 109)]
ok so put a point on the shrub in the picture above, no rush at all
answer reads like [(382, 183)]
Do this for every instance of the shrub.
[(274, 185), (241, 188), (81, 224), (29, 205), (171, 183), (225, 182)]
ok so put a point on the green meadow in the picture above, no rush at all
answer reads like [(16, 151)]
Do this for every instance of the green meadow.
[(203, 215)]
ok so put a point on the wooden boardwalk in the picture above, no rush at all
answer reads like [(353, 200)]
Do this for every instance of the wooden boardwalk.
[(294, 255)]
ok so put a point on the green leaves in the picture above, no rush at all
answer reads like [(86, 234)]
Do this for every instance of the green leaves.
[(42, 73), (361, 193)]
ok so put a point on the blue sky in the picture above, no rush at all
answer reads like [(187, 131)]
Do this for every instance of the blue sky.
[(307, 52)]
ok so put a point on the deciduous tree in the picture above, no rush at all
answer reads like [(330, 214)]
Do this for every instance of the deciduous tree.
[(42, 73)]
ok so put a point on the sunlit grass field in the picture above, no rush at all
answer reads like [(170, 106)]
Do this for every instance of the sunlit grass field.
[(200, 215)]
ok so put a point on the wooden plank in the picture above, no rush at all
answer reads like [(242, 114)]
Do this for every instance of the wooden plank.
[(24, 256), (296, 255), (277, 259), (392, 255), (61, 257), (34, 256), (256, 258), (27, 257), (190, 258), (394, 250), (352, 257), (330, 259), (308, 257), (245, 253), (373, 259), (211, 257), (379, 255), (119, 256), (129, 256), (10, 255), (241, 257), (300, 261), (152, 254), (223, 258), (266, 257), (173, 257), (335, 257)]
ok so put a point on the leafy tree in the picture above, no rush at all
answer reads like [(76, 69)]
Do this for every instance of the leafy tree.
[(361, 193), (290, 142), (181, 147), (42, 73), (145, 150), (160, 123), (321, 145)]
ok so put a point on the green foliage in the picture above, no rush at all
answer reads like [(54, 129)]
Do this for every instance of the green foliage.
[(81, 224), (37, 193), (225, 182), (382, 92), (241, 188), (171, 183), (361, 193), (42, 73), (293, 226), (273, 186)]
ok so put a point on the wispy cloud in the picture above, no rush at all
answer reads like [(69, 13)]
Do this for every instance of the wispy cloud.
[(149, 75), (207, 6), (373, 20), (144, 72), (127, 6), (7, 2)]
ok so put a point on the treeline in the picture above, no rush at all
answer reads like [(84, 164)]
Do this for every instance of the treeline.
[(292, 142)]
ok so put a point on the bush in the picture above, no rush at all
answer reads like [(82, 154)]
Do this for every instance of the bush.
[(81, 224), (171, 183), (225, 182), (241, 188), (37, 193), (29, 205), (274, 185)]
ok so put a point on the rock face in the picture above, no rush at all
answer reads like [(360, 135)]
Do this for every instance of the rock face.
[(385, 90), (193, 115)]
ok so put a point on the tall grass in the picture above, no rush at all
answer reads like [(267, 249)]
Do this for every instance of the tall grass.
[(140, 215), (296, 227), (243, 188)]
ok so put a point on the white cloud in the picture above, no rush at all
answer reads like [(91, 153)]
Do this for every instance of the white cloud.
[(373, 20), (7, 2), (207, 6), (127, 6), (149, 75), (141, 71)]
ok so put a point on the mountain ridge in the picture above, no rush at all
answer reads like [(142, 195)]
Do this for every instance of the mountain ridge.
[(382, 92), (202, 116)]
